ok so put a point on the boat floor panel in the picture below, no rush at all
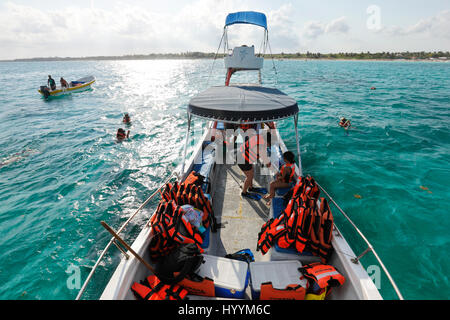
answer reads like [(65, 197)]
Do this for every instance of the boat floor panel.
[(241, 218)]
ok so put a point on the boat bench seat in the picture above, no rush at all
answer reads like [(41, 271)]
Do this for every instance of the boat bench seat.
[(205, 244), (206, 166), (277, 206), (282, 191)]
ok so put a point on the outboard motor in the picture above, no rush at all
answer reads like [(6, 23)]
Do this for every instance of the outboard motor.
[(45, 91)]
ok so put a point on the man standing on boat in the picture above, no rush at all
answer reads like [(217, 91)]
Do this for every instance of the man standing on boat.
[(51, 82), (252, 149)]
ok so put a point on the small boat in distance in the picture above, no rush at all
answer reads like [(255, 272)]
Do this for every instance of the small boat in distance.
[(79, 85)]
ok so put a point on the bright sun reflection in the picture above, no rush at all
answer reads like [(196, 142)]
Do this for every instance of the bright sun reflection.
[(151, 78)]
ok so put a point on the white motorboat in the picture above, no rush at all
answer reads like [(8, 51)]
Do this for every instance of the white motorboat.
[(241, 218)]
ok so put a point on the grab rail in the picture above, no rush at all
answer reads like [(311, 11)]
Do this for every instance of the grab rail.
[(83, 288), (369, 246)]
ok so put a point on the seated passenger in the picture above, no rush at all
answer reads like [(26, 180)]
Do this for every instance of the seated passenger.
[(284, 178), (64, 83)]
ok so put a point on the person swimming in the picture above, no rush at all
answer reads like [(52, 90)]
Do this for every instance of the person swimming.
[(126, 118), (344, 123), (17, 156), (121, 135)]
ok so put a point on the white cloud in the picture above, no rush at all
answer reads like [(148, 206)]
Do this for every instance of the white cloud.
[(120, 29), (437, 26), (338, 25), (314, 29)]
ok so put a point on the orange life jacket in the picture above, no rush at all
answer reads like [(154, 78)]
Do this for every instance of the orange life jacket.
[(306, 186), (249, 149), (322, 275), (291, 292), (203, 287), (322, 231), (304, 223), (194, 178), (289, 178), (311, 188), (153, 289)]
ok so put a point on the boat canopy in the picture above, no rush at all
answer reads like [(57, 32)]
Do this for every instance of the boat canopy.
[(247, 17), (239, 104)]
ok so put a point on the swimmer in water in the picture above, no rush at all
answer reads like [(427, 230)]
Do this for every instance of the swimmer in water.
[(121, 134), (345, 123), (126, 118), (17, 157)]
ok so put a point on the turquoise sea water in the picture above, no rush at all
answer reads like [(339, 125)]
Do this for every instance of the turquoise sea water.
[(61, 171)]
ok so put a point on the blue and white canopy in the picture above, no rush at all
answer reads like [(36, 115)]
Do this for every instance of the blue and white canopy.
[(247, 17)]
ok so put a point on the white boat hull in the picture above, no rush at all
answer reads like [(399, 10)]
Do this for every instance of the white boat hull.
[(358, 285)]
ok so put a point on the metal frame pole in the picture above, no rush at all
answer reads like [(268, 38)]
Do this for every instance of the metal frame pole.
[(298, 145), (186, 143)]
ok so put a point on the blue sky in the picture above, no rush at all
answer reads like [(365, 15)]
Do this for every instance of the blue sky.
[(100, 27)]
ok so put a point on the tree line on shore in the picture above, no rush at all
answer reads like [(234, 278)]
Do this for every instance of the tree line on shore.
[(422, 55), (367, 55)]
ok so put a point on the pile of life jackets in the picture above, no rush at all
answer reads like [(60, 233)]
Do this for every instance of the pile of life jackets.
[(172, 231), (170, 228), (303, 225)]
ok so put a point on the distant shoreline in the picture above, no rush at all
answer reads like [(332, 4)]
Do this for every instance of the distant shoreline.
[(406, 56)]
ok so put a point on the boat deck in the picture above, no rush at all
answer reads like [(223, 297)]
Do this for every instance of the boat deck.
[(241, 218)]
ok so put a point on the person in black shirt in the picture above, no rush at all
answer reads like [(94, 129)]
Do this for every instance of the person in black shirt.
[(51, 83)]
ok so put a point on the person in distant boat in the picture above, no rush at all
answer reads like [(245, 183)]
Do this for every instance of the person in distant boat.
[(344, 123), (250, 151), (63, 83), (51, 82), (121, 135), (284, 178), (126, 118)]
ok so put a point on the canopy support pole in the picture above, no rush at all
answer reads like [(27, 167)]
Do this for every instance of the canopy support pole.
[(186, 143), (298, 145)]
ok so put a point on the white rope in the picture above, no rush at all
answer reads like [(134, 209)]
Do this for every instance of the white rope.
[(215, 57)]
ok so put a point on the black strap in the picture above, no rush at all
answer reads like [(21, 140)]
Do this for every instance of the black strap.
[(187, 269), (157, 288)]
